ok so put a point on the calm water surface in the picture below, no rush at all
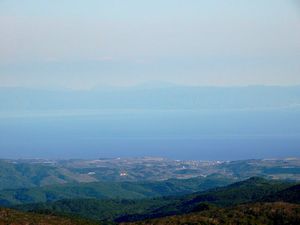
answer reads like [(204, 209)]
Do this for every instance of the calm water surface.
[(179, 134)]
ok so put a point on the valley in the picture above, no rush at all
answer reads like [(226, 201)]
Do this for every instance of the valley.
[(151, 190), (39, 172)]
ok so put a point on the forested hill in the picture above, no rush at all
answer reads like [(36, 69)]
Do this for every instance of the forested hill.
[(291, 194), (278, 213), (251, 190), (111, 190), (13, 217), (16, 174)]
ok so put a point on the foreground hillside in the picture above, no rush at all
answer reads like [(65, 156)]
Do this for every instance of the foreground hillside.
[(13, 217), (278, 213), (248, 191), (251, 190), (291, 194)]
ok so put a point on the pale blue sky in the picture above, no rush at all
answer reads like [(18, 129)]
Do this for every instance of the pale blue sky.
[(93, 43)]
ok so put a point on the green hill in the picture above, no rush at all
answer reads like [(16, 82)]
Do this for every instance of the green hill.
[(247, 191), (250, 190), (23, 174), (110, 190), (16, 174)]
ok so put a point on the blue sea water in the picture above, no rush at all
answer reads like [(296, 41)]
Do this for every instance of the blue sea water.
[(177, 134)]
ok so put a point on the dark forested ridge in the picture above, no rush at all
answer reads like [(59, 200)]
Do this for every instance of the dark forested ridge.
[(110, 190), (291, 195), (278, 213), (249, 191), (13, 217)]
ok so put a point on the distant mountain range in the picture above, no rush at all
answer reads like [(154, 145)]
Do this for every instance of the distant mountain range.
[(165, 97), (227, 122)]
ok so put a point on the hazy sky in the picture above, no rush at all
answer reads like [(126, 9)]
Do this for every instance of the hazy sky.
[(83, 44)]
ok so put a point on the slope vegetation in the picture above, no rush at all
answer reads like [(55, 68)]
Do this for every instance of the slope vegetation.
[(110, 190), (13, 217), (251, 190), (277, 213)]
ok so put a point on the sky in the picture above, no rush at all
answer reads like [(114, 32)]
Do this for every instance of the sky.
[(77, 44), (96, 44)]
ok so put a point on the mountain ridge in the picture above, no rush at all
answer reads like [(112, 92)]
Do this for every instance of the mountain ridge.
[(249, 191)]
